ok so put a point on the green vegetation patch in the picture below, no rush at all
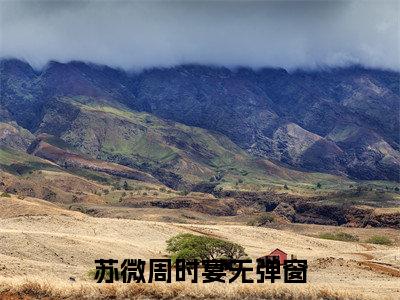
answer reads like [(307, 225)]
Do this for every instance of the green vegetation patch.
[(189, 247), (149, 147), (380, 240), (339, 236), (20, 163), (93, 175)]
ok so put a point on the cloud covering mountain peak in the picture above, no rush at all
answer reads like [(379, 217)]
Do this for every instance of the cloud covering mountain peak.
[(134, 34)]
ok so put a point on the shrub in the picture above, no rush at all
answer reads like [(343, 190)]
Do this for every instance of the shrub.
[(261, 220), (189, 246), (5, 194), (125, 186), (184, 192), (219, 176), (339, 236), (380, 240), (217, 192)]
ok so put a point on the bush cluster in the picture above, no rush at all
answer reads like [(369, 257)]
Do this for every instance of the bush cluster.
[(189, 247), (380, 240), (339, 236)]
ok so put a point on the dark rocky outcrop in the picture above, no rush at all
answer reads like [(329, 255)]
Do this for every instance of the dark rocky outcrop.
[(285, 210)]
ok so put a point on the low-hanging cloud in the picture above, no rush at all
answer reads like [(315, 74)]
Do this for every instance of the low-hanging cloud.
[(133, 34)]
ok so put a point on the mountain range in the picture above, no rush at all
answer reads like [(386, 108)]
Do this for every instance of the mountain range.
[(188, 123)]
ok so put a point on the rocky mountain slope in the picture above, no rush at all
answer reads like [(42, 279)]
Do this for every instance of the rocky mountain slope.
[(129, 144), (341, 121)]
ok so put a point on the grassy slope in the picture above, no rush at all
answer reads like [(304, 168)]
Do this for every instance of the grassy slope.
[(19, 163), (194, 153), (150, 143)]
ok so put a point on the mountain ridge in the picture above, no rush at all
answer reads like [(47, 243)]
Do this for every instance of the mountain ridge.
[(340, 121)]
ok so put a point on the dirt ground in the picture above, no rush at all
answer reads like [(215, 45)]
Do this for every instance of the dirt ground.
[(38, 238)]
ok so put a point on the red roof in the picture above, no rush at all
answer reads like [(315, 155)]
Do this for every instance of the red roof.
[(274, 253), (277, 250)]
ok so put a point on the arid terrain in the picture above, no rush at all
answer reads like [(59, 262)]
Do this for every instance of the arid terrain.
[(43, 243)]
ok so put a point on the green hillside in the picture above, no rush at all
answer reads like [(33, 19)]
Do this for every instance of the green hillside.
[(176, 154)]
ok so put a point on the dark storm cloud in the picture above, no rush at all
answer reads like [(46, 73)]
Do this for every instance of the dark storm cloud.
[(134, 34)]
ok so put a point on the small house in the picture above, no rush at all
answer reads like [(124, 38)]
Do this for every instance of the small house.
[(281, 255)]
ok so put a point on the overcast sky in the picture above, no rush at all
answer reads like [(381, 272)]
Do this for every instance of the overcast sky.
[(133, 34)]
